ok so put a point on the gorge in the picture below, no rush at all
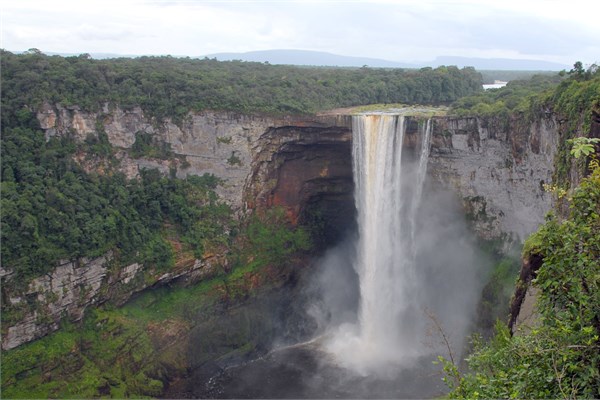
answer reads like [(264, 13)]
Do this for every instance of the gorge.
[(303, 165), (194, 229)]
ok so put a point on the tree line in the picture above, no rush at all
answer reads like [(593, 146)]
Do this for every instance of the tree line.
[(171, 87)]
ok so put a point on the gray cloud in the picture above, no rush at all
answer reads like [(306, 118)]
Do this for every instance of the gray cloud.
[(103, 32), (400, 30)]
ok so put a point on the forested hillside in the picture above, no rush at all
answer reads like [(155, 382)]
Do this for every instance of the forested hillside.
[(519, 96), (170, 87), (52, 209)]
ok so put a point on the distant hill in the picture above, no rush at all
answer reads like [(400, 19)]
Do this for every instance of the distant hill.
[(308, 57), (320, 58)]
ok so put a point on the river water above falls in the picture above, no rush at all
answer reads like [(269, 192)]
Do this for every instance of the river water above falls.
[(371, 302)]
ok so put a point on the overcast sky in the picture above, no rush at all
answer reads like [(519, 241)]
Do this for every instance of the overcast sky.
[(404, 30)]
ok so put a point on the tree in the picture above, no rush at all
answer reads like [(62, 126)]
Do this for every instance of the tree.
[(577, 70)]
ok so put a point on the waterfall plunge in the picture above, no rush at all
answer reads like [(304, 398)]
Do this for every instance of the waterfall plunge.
[(388, 191)]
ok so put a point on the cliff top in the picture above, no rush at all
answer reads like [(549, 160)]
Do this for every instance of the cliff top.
[(396, 109)]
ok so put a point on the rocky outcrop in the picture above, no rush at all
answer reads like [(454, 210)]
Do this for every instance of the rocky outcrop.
[(67, 291), (224, 144), (523, 313), (308, 172), (213, 143), (74, 286)]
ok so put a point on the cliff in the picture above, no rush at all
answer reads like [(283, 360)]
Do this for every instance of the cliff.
[(523, 310), (302, 164), (227, 145), (499, 168)]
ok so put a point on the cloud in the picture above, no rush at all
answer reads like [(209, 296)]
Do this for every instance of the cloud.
[(102, 32), (402, 30)]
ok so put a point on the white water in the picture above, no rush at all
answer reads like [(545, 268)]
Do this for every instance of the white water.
[(388, 190)]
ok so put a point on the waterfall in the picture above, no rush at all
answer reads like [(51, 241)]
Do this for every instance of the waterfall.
[(388, 190)]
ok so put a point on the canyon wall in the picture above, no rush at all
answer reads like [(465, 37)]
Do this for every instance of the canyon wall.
[(499, 168), (230, 146), (302, 164)]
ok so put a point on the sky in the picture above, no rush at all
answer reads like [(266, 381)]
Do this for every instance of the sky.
[(403, 30)]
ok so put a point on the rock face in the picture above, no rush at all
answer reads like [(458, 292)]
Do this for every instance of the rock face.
[(301, 164), (75, 285), (221, 143), (523, 312), (67, 291), (499, 169), (308, 172)]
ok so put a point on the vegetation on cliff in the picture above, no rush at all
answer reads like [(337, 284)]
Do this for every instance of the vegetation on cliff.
[(571, 96), (171, 87), (52, 209), (560, 356), (576, 102), (138, 349)]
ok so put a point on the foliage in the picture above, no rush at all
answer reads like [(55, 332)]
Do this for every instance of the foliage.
[(171, 87), (490, 76), (583, 146), (131, 350), (270, 239), (561, 357), (575, 100), (52, 209), (146, 146), (106, 356), (518, 96), (233, 159), (546, 363), (497, 292), (98, 144)]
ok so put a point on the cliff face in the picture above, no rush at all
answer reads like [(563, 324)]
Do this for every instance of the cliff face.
[(523, 310), (75, 285), (499, 169), (307, 170), (236, 148), (214, 143), (301, 164)]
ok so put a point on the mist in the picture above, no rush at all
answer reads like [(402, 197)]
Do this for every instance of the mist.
[(413, 267), (371, 308), (450, 275)]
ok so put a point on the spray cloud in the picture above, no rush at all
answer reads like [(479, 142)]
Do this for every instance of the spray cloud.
[(412, 253)]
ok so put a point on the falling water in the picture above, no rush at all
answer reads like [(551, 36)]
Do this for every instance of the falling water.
[(388, 189), (370, 337)]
